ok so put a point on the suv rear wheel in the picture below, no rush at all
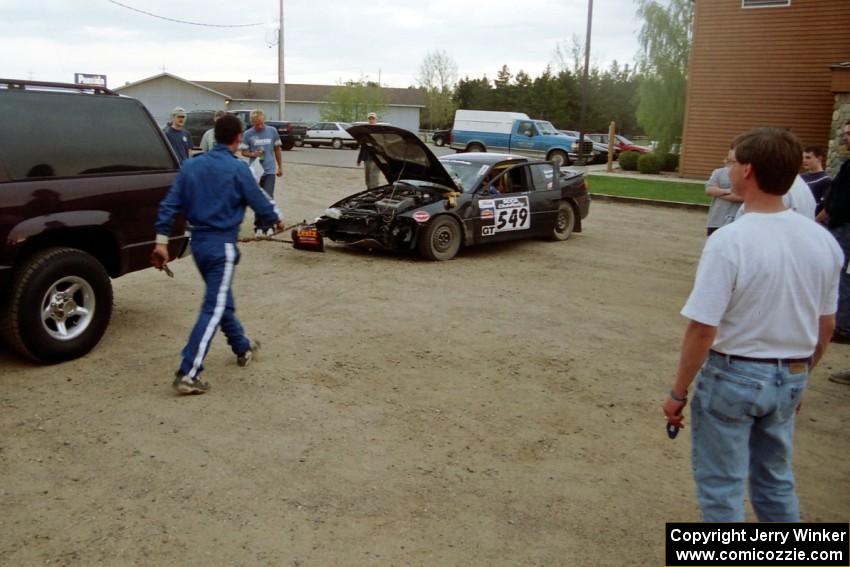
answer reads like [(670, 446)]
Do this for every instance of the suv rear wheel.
[(60, 305)]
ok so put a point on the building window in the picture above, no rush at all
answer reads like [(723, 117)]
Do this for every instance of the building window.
[(764, 3)]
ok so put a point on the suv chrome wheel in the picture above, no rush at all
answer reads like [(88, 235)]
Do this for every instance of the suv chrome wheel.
[(68, 308)]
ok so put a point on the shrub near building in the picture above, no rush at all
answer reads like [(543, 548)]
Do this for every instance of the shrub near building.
[(669, 162), (650, 163), (629, 161)]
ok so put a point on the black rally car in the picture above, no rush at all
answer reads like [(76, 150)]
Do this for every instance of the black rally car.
[(439, 205)]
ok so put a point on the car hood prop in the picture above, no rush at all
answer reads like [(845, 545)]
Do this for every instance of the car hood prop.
[(400, 154)]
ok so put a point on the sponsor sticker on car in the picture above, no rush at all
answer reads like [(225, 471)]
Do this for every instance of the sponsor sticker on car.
[(421, 216)]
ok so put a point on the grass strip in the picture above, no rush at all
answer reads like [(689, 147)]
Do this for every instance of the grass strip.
[(648, 189)]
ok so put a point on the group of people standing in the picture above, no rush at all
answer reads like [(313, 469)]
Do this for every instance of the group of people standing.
[(258, 143), (772, 290), (813, 194)]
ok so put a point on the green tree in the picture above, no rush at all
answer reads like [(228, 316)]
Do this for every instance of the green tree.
[(437, 77), (665, 41), (353, 100), (474, 94)]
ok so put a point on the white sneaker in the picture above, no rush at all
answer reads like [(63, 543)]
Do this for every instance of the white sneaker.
[(259, 233), (269, 232)]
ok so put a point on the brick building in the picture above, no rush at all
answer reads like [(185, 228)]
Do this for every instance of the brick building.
[(765, 63)]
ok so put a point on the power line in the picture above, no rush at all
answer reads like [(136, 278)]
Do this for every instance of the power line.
[(183, 21)]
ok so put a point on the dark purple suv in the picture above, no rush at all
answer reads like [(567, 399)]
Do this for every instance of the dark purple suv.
[(82, 171)]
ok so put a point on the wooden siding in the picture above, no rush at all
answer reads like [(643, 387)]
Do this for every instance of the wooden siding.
[(760, 67), (841, 79)]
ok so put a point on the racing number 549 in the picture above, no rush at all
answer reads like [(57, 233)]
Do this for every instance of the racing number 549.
[(516, 217)]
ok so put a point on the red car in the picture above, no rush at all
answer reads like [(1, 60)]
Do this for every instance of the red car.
[(621, 144)]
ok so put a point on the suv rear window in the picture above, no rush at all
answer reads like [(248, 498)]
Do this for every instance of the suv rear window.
[(65, 135)]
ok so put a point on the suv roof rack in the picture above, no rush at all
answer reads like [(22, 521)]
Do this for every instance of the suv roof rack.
[(45, 85)]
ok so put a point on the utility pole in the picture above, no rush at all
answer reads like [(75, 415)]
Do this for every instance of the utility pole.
[(585, 84), (280, 76)]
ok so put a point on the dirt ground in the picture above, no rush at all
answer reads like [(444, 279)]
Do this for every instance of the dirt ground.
[(502, 408)]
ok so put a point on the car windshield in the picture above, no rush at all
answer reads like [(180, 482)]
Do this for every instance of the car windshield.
[(465, 174), (625, 140), (345, 125), (546, 127)]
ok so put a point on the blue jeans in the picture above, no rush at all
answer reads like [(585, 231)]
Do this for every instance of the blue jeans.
[(743, 426), (216, 260), (267, 182), (842, 317)]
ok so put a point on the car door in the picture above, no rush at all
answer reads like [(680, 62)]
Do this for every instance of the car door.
[(545, 196), (523, 141), (522, 203)]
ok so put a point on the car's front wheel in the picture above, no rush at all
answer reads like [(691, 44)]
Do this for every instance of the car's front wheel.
[(439, 141), (440, 239), (565, 223), (336, 143), (299, 143), (59, 307)]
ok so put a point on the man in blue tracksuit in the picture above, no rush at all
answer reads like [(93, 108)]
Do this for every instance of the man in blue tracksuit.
[(212, 192)]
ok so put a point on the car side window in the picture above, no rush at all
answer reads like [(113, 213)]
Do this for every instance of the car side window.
[(542, 176), (131, 143), (517, 179)]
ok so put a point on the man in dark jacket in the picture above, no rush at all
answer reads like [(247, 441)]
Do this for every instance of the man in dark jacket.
[(212, 192), (836, 215), (178, 136), (369, 167)]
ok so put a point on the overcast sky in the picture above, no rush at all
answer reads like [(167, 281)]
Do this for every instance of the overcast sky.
[(327, 42)]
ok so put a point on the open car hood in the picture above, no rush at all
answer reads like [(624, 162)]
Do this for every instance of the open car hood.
[(400, 154)]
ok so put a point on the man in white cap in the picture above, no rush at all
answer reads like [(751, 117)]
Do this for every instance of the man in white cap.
[(178, 137), (369, 167)]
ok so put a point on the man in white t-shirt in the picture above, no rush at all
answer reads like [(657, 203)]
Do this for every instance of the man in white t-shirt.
[(761, 312)]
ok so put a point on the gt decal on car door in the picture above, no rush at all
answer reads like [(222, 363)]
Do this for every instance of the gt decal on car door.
[(504, 214)]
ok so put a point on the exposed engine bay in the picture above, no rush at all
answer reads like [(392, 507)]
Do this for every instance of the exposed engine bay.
[(390, 199), (373, 215)]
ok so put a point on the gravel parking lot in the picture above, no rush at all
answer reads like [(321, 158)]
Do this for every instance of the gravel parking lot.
[(502, 408)]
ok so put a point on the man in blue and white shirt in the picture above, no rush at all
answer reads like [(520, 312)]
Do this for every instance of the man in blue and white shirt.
[(212, 191)]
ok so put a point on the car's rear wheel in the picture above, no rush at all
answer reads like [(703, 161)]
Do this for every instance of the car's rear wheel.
[(336, 143), (439, 141), (559, 158), (299, 143), (475, 147), (565, 223), (441, 239), (59, 307)]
